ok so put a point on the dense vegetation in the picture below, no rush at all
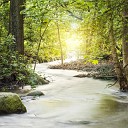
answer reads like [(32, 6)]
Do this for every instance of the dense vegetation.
[(59, 29)]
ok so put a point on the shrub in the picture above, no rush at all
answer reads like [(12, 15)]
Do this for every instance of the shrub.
[(15, 70)]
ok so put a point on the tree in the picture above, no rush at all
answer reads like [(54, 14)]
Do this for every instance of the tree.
[(16, 24), (118, 67), (110, 14), (125, 34), (41, 12), (125, 40)]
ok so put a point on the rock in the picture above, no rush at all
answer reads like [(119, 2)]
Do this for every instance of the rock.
[(84, 75), (45, 81), (11, 103), (35, 93), (81, 75), (40, 80)]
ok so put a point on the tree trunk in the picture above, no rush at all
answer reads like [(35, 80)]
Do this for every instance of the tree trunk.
[(16, 24), (41, 38), (125, 38), (118, 67), (61, 50), (121, 76)]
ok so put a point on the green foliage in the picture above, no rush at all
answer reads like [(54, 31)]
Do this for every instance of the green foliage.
[(49, 46), (34, 79), (37, 15), (4, 19), (15, 69), (96, 27), (92, 17)]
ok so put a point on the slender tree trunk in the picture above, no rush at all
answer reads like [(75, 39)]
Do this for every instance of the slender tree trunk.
[(61, 50), (0, 32), (16, 24), (40, 41)]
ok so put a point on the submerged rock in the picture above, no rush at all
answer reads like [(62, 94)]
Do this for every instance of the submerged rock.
[(80, 122), (11, 103), (35, 93)]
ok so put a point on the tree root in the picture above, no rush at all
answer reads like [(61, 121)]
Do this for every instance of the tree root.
[(110, 85)]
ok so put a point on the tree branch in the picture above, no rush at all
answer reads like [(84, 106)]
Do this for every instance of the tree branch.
[(71, 14)]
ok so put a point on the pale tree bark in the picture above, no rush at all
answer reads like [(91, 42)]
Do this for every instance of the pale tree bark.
[(60, 43), (58, 34), (16, 24)]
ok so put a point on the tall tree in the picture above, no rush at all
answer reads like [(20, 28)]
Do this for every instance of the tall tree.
[(125, 37), (16, 24), (118, 67)]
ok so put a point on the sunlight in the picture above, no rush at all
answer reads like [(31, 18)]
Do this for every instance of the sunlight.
[(72, 50), (74, 25), (72, 42), (73, 39)]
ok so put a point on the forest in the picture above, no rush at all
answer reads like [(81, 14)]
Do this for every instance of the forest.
[(63, 63), (37, 31)]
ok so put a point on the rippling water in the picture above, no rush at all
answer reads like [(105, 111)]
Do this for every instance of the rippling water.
[(71, 102)]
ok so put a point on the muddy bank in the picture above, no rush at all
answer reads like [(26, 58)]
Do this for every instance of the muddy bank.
[(98, 71)]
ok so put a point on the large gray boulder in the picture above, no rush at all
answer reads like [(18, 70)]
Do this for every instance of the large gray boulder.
[(11, 103)]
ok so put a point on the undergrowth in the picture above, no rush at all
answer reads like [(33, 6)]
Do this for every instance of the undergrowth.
[(15, 70)]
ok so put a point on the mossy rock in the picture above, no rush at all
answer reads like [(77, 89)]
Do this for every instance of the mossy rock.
[(11, 103), (35, 93)]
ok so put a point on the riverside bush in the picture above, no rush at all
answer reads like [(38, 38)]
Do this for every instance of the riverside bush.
[(15, 70)]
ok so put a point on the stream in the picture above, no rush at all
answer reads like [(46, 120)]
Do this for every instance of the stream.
[(71, 102)]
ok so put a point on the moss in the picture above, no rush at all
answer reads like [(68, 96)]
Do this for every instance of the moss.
[(35, 93), (11, 103)]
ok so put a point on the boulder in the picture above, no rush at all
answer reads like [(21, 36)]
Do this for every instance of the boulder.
[(35, 93), (11, 103)]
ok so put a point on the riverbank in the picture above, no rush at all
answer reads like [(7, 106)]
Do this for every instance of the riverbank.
[(102, 70)]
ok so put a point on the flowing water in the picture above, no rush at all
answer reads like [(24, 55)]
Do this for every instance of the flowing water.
[(71, 102)]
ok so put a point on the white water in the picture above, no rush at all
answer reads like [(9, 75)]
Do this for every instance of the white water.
[(71, 102)]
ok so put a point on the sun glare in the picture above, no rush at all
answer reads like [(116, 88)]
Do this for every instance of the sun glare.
[(72, 42), (74, 26)]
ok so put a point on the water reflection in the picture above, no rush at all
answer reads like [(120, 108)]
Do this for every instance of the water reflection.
[(111, 112), (110, 104)]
